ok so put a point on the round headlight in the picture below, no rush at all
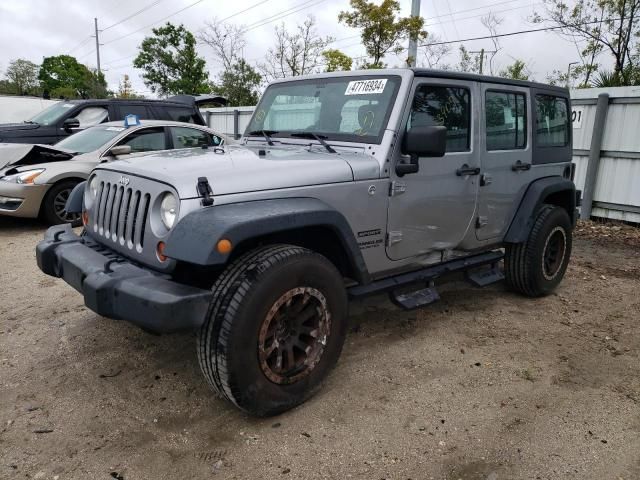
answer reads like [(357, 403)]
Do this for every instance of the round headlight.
[(169, 210), (93, 188)]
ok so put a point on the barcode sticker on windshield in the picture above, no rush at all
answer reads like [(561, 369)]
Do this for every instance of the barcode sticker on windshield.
[(366, 87)]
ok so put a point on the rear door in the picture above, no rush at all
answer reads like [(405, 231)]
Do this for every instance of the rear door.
[(432, 210), (506, 149), (142, 111)]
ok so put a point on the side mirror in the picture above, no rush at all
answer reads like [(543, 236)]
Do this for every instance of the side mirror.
[(70, 123), (422, 142), (120, 150)]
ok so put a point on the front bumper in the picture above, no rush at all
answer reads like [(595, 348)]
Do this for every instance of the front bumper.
[(114, 287), (31, 196)]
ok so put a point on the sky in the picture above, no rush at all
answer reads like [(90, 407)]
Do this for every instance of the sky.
[(34, 29)]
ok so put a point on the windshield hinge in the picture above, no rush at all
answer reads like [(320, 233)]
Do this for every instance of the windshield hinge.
[(393, 237), (204, 190), (397, 188)]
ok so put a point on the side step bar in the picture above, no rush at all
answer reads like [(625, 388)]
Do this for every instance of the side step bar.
[(429, 274)]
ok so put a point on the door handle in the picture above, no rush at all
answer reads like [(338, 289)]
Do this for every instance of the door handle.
[(467, 170), (519, 166)]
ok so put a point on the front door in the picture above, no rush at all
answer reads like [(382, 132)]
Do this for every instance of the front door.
[(433, 209)]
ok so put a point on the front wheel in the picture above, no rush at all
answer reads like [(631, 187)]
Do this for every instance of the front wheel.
[(275, 328), (536, 266)]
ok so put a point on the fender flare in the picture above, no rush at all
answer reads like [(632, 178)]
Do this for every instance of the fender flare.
[(534, 197), (74, 202), (195, 236)]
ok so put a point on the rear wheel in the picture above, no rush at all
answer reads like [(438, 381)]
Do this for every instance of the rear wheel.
[(536, 266), (54, 205), (275, 328)]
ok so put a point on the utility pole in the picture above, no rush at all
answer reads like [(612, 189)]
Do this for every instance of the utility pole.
[(481, 52), (569, 73), (413, 42), (95, 20)]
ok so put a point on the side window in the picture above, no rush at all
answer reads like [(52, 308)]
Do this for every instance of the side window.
[(178, 114), (139, 110), (445, 106), (506, 120), (185, 137), (552, 121), (146, 140), (90, 116)]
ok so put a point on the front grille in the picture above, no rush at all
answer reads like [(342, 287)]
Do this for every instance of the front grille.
[(120, 215)]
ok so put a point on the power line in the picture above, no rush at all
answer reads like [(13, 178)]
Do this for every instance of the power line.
[(245, 10), (283, 14), (457, 12), (89, 37), (485, 13), (143, 9), (154, 23), (520, 32)]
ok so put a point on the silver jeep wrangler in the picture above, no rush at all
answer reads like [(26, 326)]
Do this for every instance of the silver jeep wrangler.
[(344, 185)]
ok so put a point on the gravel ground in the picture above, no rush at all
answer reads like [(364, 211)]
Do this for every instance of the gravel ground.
[(484, 384)]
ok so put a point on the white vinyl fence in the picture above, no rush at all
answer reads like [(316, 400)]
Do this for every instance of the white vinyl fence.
[(607, 137)]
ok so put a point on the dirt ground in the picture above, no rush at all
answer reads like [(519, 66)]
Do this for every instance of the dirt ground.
[(484, 384)]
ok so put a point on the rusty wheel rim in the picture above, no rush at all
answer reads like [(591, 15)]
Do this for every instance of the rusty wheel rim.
[(293, 335), (554, 252)]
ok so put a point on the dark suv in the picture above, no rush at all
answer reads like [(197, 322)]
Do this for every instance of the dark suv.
[(70, 116)]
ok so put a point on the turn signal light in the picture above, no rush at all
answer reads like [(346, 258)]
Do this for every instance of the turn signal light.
[(160, 252), (85, 218), (224, 246)]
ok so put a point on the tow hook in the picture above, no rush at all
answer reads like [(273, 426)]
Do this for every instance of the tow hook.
[(204, 190)]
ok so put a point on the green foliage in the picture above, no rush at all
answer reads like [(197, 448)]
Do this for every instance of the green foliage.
[(468, 63), (239, 84), (517, 71), (604, 26), (170, 62), (23, 76), (611, 78), (336, 61), (125, 89), (63, 76), (382, 32)]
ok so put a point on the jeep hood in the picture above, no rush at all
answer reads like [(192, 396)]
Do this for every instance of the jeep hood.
[(19, 154), (243, 169)]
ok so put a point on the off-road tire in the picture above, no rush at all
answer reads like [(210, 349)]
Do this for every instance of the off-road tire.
[(243, 295), (525, 269), (55, 195)]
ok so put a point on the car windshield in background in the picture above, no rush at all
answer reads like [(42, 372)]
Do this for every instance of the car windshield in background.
[(90, 139), (52, 114), (353, 109)]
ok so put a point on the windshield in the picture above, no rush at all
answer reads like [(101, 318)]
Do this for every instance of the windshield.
[(52, 114), (90, 139), (352, 109)]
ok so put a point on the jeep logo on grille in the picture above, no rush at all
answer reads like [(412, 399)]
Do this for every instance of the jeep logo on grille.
[(124, 181)]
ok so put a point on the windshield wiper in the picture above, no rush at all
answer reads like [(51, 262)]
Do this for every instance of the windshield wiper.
[(266, 134), (315, 136)]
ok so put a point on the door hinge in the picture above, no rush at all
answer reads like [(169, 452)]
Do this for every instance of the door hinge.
[(481, 221), (393, 237), (397, 188)]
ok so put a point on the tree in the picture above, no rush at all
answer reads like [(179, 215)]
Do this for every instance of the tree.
[(468, 62), (125, 89), (295, 53), (434, 52), (23, 74), (225, 39), (610, 26), (239, 84), (517, 70), (63, 76), (336, 61), (170, 62), (382, 32), (491, 22)]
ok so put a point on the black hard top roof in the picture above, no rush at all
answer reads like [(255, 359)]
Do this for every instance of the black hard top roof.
[(427, 72)]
